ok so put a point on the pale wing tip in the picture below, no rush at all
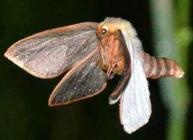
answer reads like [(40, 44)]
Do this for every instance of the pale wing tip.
[(131, 130), (9, 55), (113, 101), (6, 54)]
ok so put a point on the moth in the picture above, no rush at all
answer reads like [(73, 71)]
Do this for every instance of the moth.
[(90, 54)]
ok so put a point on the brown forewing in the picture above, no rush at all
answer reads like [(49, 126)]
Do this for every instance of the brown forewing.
[(49, 53)]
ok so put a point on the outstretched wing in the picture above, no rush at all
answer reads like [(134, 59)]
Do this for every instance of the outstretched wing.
[(135, 105), (83, 81), (49, 53)]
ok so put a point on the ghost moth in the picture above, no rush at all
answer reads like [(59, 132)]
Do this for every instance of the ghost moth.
[(91, 54)]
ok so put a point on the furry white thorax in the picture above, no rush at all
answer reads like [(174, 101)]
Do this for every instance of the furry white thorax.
[(122, 24), (128, 31)]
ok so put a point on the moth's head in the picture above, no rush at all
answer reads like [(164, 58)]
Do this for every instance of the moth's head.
[(112, 34), (112, 25)]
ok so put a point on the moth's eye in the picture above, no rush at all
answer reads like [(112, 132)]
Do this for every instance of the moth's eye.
[(104, 30)]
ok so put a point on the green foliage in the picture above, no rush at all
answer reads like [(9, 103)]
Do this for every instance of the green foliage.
[(172, 26)]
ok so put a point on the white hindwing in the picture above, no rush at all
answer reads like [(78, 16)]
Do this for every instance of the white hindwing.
[(135, 105)]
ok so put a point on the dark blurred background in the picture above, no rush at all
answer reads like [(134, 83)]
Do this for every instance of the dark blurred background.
[(164, 27)]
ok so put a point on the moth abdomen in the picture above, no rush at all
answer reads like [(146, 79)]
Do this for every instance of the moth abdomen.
[(156, 67)]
